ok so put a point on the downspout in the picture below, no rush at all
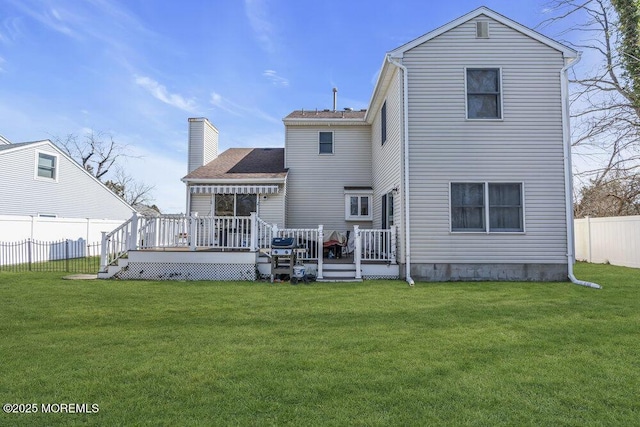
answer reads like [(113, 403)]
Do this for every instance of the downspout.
[(568, 176), (405, 142)]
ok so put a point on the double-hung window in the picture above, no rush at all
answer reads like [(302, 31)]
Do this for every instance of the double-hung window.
[(325, 143), (478, 207), (47, 166), (484, 98)]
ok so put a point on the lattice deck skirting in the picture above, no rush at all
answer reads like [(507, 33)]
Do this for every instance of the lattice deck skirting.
[(188, 271)]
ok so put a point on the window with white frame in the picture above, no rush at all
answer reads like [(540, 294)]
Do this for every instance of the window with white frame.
[(484, 98), (358, 206), (479, 206), (325, 143), (47, 166)]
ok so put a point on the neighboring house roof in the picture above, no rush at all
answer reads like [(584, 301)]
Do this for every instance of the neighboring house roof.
[(247, 164)]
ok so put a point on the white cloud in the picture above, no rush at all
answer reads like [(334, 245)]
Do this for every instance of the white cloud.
[(258, 15), (161, 93), (275, 79)]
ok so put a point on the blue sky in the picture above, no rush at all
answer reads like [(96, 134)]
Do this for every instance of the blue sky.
[(139, 69)]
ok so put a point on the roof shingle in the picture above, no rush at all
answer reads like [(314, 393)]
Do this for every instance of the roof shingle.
[(243, 163)]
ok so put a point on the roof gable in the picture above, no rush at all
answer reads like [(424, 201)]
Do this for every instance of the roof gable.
[(47, 143), (566, 51)]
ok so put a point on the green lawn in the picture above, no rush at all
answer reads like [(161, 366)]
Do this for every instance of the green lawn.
[(374, 353)]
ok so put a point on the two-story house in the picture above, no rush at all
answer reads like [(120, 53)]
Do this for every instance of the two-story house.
[(463, 152), (463, 148)]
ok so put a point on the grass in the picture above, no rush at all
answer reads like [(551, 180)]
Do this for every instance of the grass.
[(375, 353)]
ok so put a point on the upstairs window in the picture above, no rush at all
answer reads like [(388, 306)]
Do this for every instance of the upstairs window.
[(325, 145), (383, 122), (484, 97), (47, 166)]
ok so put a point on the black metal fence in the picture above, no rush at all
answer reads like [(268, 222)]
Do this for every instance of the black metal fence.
[(73, 256)]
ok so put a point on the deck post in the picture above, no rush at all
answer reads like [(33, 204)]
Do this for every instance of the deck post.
[(103, 252), (133, 234), (254, 232), (320, 250), (393, 245), (357, 255), (193, 231)]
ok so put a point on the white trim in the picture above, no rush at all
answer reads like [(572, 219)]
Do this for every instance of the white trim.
[(233, 181), (233, 189), (500, 97), (56, 166), (566, 51), (348, 194)]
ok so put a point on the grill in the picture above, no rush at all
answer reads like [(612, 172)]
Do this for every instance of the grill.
[(283, 256)]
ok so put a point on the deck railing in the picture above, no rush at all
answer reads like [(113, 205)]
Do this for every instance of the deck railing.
[(236, 233), (378, 245), (305, 238)]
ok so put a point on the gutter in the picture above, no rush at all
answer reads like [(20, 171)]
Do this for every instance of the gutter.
[(568, 175), (405, 143)]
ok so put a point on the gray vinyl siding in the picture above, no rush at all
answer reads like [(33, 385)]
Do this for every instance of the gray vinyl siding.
[(315, 183), (201, 204), (74, 194), (526, 146), (271, 208), (387, 158)]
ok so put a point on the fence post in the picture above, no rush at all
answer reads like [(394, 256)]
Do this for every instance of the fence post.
[(29, 249), (320, 250), (66, 255), (588, 239), (393, 245), (358, 251)]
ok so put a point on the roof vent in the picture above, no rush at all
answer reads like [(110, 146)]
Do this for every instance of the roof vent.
[(482, 29)]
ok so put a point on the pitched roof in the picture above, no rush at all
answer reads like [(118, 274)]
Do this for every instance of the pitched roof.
[(19, 144), (243, 163), (326, 114)]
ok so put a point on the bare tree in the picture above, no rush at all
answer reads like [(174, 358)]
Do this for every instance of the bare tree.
[(605, 100), (132, 191), (100, 155)]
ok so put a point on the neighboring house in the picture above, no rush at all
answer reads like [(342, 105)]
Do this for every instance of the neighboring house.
[(463, 153), (39, 180)]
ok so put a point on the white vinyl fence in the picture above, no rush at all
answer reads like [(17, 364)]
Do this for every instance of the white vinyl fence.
[(614, 240), (14, 228)]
